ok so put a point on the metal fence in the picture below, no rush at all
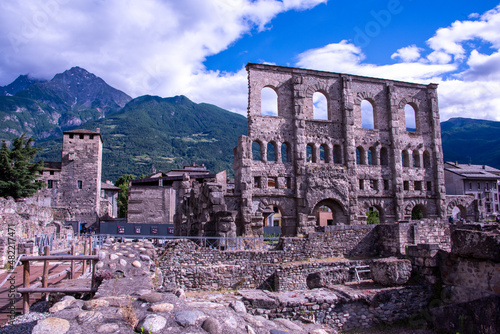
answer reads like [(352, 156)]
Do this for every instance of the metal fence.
[(220, 243)]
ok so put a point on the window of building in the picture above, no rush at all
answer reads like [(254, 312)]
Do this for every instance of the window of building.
[(360, 156), (367, 115), (50, 184), (256, 181), (361, 184), (288, 183), (416, 159), (71, 136), (51, 172), (268, 102), (320, 106), (271, 152), (285, 154), (418, 185), (470, 185), (386, 184), (406, 185), (91, 136), (256, 151), (272, 182), (310, 153), (405, 158), (479, 185), (374, 184), (410, 118), (79, 184), (82, 136), (487, 186), (429, 186)]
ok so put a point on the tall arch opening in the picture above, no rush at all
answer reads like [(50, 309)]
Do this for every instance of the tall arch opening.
[(269, 102), (418, 212), (410, 118), (360, 156), (406, 158), (310, 153), (416, 158), (271, 151), (256, 151), (285, 153), (372, 156), (373, 215), (330, 212), (320, 106), (367, 115)]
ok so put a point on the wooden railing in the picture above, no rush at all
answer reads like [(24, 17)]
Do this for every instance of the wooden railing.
[(46, 258)]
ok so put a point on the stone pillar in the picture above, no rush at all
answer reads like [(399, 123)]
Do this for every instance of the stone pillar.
[(395, 159), (437, 151), (350, 148)]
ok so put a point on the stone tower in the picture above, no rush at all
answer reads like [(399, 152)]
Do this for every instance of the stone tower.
[(81, 174)]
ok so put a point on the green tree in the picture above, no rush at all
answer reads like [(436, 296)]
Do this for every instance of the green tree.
[(372, 217), (123, 184), (18, 175)]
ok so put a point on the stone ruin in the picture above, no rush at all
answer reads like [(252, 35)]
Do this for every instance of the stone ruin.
[(387, 159)]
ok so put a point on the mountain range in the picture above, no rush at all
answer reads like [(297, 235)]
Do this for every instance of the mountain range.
[(165, 133)]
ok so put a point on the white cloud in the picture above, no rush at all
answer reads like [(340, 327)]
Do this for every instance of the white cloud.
[(345, 57), (449, 39), (147, 47), (407, 54)]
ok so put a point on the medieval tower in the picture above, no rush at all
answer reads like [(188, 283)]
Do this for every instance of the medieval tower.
[(81, 174)]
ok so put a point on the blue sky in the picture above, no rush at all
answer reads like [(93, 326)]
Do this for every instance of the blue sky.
[(199, 48)]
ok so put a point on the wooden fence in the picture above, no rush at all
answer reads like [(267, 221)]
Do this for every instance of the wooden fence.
[(47, 258)]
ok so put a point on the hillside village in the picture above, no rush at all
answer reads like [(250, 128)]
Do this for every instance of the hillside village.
[(314, 183)]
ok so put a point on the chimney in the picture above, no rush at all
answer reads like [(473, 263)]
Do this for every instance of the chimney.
[(98, 130)]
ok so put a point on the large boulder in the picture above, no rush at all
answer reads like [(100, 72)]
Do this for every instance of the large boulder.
[(390, 271)]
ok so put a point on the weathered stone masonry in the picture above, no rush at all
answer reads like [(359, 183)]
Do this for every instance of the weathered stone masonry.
[(387, 168)]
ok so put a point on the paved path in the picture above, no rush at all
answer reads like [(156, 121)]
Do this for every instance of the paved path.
[(36, 270)]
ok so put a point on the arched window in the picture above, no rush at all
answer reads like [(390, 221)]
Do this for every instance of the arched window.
[(320, 106), (256, 151), (416, 158), (268, 102), (310, 153), (427, 159), (271, 151), (384, 157), (406, 158), (322, 154), (372, 156), (367, 115), (360, 156), (410, 118), (285, 152), (337, 154)]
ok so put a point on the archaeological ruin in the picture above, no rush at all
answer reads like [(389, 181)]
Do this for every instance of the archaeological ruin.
[(377, 148)]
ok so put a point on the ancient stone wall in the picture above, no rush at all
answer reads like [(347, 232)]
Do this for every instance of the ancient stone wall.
[(339, 162), (340, 308), (393, 239)]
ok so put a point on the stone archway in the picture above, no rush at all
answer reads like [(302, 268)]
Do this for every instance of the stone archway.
[(330, 212)]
